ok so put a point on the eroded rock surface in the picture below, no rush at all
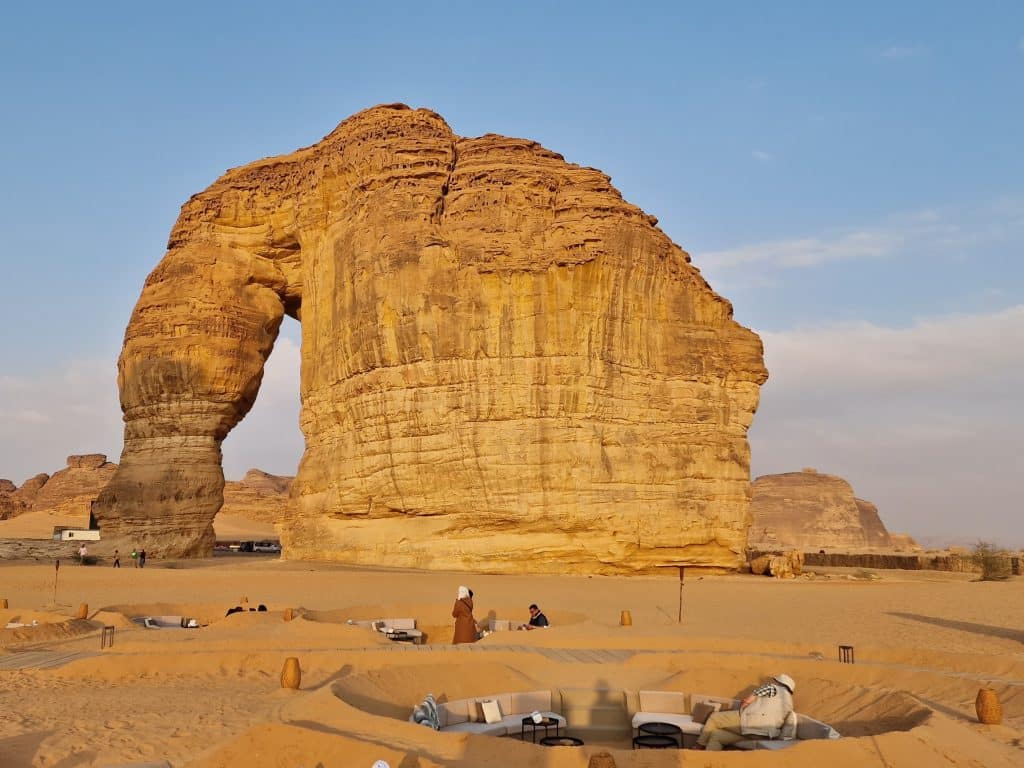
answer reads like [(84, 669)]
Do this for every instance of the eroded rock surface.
[(809, 511), (258, 496), (505, 365)]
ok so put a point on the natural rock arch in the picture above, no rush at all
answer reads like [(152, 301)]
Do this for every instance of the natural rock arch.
[(504, 364)]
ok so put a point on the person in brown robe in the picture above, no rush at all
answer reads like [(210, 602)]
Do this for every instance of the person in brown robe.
[(465, 624)]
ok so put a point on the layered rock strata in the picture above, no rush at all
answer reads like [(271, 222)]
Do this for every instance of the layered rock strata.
[(258, 496), (809, 511), (505, 366)]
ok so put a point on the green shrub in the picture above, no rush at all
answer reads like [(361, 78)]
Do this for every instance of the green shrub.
[(993, 562)]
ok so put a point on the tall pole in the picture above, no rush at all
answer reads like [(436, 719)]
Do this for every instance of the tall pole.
[(56, 573), (682, 571)]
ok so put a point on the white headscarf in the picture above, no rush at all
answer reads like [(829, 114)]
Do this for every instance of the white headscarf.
[(381, 764), (463, 593)]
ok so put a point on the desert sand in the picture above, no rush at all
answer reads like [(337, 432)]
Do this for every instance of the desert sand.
[(925, 643)]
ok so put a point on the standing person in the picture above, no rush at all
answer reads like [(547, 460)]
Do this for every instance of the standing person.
[(135, 558), (82, 552), (762, 713), (142, 558), (465, 624), (117, 559)]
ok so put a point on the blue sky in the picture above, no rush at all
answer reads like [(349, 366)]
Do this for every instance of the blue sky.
[(849, 176)]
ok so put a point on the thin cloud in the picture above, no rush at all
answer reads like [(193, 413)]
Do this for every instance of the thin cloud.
[(924, 420), (762, 156), (933, 230)]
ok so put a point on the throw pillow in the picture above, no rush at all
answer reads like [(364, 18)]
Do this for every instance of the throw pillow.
[(492, 712), (475, 713), (430, 705), (702, 711)]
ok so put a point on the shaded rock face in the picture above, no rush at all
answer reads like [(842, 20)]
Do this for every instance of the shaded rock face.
[(258, 496), (504, 364), (10, 504), (809, 511)]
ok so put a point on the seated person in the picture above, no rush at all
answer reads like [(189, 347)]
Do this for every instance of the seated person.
[(537, 619), (762, 713)]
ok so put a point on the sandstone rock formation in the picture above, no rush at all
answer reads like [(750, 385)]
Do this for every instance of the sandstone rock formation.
[(10, 504), (504, 364), (258, 496), (808, 511)]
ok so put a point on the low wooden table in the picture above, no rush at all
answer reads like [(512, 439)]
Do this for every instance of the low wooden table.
[(545, 723)]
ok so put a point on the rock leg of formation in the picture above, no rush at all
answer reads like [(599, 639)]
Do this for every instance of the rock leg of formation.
[(505, 366)]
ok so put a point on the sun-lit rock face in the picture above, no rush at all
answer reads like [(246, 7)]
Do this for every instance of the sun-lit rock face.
[(505, 366)]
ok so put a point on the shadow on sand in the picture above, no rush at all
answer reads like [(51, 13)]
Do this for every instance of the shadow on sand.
[(965, 626)]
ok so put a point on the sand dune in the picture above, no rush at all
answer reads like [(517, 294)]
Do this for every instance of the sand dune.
[(211, 697)]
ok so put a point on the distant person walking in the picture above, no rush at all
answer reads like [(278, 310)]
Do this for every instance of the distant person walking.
[(135, 558), (465, 624), (117, 559), (142, 559)]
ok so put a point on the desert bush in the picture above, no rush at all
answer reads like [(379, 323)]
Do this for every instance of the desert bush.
[(993, 562)]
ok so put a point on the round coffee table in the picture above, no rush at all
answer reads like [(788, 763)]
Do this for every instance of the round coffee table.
[(654, 741), (663, 729), (545, 723), (561, 741)]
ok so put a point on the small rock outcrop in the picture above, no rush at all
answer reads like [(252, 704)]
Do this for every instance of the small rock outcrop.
[(809, 511), (503, 362)]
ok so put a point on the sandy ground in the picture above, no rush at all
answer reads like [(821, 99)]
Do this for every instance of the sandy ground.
[(210, 697)]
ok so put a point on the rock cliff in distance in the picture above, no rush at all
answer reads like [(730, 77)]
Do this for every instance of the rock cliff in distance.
[(505, 365), (68, 492), (258, 496), (809, 511)]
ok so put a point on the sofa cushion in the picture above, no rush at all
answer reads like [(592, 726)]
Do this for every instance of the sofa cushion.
[(724, 703), (663, 701), (453, 712), (702, 710), (528, 701), (685, 722), (483, 729), (492, 711)]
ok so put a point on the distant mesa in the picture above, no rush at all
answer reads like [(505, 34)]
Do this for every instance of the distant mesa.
[(810, 511), (258, 496), (503, 362)]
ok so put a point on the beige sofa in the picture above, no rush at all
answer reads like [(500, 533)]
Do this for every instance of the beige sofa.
[(675, 708), (458, 716), (606, 713)]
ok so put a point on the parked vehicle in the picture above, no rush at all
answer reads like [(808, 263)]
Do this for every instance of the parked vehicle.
[(267, 546), (247, 546)]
